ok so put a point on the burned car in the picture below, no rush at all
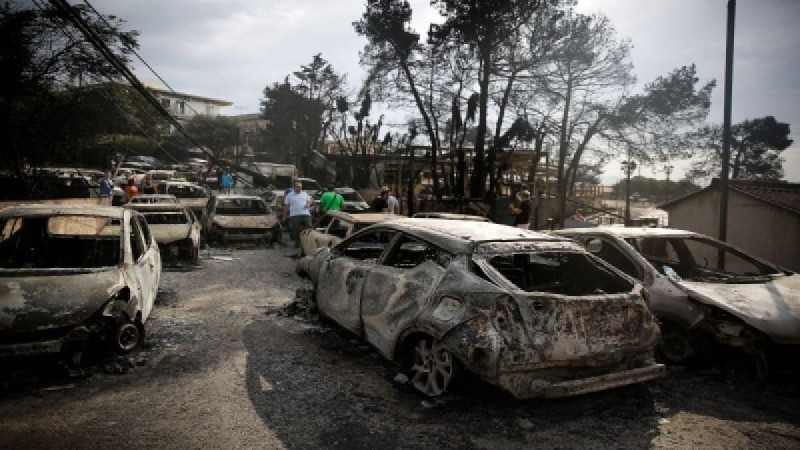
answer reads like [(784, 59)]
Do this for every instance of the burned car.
[(335, 226), (240, 218), (153, 198), (701, 288), (74, 276), (535, 315), (192, 195), (450, 216), (175, 228)]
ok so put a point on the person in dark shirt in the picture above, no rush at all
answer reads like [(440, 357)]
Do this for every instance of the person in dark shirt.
[(522, 213), (380, 203), (148, 187)]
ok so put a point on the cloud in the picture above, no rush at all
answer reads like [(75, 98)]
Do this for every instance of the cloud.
[(232, 49)]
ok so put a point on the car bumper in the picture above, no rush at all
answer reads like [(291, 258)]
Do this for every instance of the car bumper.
[(74, 341), (527, 385)]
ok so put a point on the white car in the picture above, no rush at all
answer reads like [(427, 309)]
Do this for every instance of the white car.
[(701, 288), (175, 228), (240, 218), (73, 277)]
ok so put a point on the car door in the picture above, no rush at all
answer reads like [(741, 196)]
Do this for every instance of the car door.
[(147, 262), (396, 289), (341, 278)]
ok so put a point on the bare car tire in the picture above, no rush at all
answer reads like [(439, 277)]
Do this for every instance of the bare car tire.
[(433, 367)]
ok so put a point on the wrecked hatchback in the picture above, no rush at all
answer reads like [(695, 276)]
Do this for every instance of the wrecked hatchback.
[(704, 290), (74, 276), (535, 315), (176, 230), (240, 218)]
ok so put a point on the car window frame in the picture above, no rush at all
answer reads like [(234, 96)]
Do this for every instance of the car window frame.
[(338, 252)]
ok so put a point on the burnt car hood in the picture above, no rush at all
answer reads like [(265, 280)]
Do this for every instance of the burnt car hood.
[(194, 202), (246, 221), (39, 302), (772, 307)]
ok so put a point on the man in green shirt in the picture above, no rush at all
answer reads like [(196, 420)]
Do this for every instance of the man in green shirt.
[(330, 200)]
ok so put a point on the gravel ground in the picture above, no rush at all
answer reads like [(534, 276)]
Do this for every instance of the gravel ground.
[(221, 369)]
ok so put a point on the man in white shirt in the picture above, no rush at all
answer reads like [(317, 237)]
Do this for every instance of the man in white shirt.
[(391, 203), (295, 207)]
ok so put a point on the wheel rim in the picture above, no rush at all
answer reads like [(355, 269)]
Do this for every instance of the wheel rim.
[(433, 368), (127, 337)]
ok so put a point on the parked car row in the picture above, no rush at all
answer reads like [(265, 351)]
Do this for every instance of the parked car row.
[(513, 306)]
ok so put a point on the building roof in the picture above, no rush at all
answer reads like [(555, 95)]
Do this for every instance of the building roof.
[(782, 195)]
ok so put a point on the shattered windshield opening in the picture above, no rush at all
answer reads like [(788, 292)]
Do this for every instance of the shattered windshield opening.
[(241, 207), (352, 197), (59, 242), (697, 259), (166, 218), (565, 273)]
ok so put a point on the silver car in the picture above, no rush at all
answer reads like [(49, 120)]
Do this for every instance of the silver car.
[(702, 289), (535, 315)]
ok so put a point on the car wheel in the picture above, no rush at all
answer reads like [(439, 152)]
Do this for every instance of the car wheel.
[(677, 346), (433, 367), (127, 337)]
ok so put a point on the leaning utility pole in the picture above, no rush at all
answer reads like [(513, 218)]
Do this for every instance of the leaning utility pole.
[(726, 133)]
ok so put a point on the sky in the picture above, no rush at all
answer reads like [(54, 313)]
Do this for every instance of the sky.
[(233, 49)]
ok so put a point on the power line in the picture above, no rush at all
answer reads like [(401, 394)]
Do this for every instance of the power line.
[(122, 68)]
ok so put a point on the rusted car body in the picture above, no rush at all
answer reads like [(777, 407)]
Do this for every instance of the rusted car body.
[(334, 226), (240, 218), (192, 195), (535, 315), (71, 276), (744, 302), (175, 228), (153, 198)]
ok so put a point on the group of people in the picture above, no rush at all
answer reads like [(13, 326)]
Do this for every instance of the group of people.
[(385, 202), (106, 186)]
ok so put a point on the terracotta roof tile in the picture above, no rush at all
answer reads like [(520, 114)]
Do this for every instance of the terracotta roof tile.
[(782, 195)]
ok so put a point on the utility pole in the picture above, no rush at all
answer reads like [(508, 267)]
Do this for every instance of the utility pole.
[(628, 166), (726, 132), (667, 169)]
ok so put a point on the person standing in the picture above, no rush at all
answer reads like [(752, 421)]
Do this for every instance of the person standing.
[(227, 182), (330, 200), (522, 214), (295, 210), (148, 187), (131, 190), (106, 185), (391, 202), (379, 203)]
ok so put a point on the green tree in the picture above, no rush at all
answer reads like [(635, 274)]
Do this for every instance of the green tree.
[(41, 55), (215, 132), (756, 146)]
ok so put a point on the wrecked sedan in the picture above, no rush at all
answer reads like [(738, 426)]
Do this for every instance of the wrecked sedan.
[(176, 230), (532, 314), (191, 195), (240, 218), (337, 225), (703, 290), (74, 276)]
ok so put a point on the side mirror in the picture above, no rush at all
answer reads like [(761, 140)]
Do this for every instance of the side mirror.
[(594, 246)]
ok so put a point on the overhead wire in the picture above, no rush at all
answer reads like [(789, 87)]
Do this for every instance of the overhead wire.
[(65, 8)]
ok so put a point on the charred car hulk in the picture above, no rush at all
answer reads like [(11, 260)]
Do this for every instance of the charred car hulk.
[(535, 315), (71, 276)]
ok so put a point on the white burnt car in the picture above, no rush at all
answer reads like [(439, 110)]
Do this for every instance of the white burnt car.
[(191, 195), (535, 315), (702, 289), (153, 198), (240, 218), (74, 276), (175, 228)]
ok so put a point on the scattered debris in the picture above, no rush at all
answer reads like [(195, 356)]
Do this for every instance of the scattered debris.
[(427, 404), (57, 388), (265, 385), (401, 378)]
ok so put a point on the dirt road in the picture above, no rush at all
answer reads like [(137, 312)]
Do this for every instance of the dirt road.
[(222, 370)]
